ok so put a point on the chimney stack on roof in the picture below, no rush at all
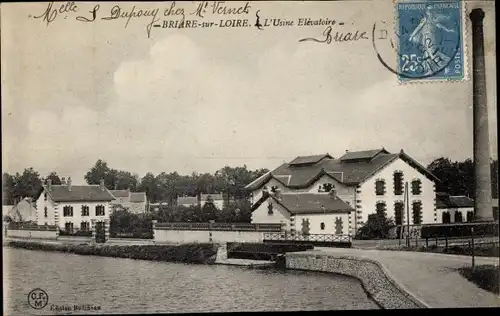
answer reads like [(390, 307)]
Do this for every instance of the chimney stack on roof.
[(333, 193), (69, 183), (277, 193), (63, 181), (49, 185), (347, 150), (101, 184)]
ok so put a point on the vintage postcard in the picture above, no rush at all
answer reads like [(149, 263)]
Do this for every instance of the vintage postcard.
[(238, 156)]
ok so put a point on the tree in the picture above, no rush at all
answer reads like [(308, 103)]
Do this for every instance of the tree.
[(149, 185), (101, 171), (376, 227), (124, 180), (28, 184), (208, 212), (8, 185), (54, 177)]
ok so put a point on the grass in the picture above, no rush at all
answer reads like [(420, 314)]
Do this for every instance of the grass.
[(484, 276), (482, 250)]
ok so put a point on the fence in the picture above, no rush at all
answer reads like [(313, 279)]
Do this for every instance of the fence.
[(313, 239), (219, 227), (456, 232)]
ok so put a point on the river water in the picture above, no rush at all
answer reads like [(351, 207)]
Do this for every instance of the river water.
[(117, 285)]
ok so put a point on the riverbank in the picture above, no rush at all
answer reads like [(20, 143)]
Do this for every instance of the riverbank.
[(400, 279), (185, 253)]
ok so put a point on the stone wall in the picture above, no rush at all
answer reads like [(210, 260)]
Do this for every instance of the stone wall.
[(36, 234), (371, 274), (205, 236)]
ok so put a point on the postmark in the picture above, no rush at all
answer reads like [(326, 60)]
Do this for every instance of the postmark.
[(38, 298), (429, 39)]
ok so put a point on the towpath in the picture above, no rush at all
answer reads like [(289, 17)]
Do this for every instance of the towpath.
[(430, 277)]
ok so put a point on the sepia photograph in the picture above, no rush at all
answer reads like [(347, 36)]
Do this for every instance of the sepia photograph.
[(179, 157)]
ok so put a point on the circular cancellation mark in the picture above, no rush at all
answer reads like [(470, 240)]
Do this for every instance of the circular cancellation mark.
[(38, 298), (421, 50)]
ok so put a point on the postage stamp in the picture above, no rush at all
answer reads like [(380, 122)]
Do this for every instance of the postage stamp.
[(431, 45)]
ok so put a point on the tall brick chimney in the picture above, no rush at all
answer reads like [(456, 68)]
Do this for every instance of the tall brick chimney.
[(69, 183), (482, 172), (49, 185), (101, 184)]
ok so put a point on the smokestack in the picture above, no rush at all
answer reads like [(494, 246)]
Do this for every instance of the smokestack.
[(482, 173), (101, 184), (69, 183), (49, 185)]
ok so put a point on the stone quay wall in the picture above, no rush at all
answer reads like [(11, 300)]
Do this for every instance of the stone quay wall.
[(383, 290)]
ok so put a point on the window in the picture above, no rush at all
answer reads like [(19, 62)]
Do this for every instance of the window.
[(99, 210), (85, 226), (416, 187), (398, 213), (338, 225), (381, 209), (322, 226), (417, 212), (398, 183), (274, 188), (45, 211), (45, 196), (470, 216), (270, 209), (380, 187), (458, 217), (68, 211), (85, 210), (445, 218), (68, 226)]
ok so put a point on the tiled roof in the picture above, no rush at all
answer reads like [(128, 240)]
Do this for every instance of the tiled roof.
[(312, 203), (365, 154), (350, 173), (191, 200), (137, 197), (301, 160), (444, 201), (120, 193), (60, 193)]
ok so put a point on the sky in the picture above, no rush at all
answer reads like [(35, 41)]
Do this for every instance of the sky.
[(195, 100)]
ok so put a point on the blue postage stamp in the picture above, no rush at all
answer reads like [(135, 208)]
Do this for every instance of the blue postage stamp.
[(430, 43)]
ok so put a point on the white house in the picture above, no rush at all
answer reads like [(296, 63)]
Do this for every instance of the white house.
[(135, 202), (369, 181), (315, 212), (73, 207), (454, 209)]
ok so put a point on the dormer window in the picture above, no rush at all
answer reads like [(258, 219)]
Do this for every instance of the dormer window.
[(327, 187)]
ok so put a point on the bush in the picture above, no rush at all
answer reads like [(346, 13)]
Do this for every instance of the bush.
[(377, 227), (484, 276)]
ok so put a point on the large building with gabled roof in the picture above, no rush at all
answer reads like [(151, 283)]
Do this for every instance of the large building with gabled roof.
[(368, 181), (73, 207)]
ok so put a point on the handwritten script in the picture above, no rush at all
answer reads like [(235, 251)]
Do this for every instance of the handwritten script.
[(119, 12), (337, 37)]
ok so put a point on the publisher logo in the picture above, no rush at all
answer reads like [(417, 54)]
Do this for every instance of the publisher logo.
[(38, 299)]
